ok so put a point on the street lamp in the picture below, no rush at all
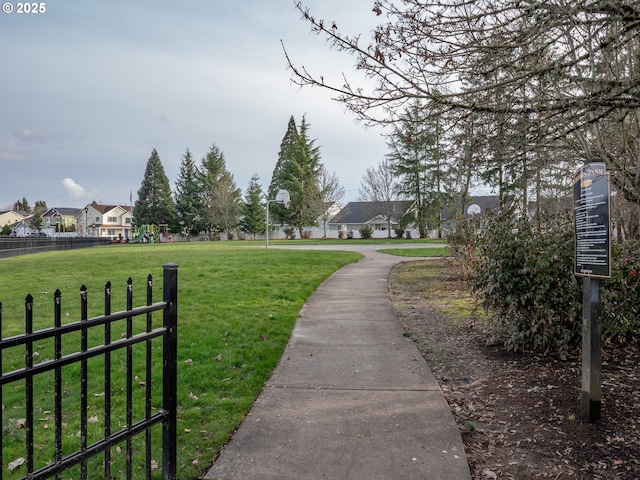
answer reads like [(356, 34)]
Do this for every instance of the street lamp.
[(281, 197)]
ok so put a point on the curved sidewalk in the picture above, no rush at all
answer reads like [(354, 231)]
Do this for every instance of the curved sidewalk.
[(351, 398)]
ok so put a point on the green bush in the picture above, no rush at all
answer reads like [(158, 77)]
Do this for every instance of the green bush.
[(621, 293), (524, 278), (366, 232), (523, 275)]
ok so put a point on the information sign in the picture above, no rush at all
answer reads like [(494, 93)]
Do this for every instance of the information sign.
[(591, 219)]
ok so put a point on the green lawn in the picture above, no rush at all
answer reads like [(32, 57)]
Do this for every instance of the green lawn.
[(236, 309)]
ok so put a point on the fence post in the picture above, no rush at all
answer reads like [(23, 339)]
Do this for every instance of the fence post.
[(170, 370)]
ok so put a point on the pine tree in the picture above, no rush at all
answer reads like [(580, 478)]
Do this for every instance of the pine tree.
[(253, 213), (286, 146), (154, 204), (36, 221), (221, 197), (299, 176), (277, 211), (188, 197), (416, 160)]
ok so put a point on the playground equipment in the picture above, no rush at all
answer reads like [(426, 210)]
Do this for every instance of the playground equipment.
[(145, 234), (150, 233)]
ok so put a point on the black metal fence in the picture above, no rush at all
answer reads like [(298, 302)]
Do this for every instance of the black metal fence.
[(14, 246), (98, 330)]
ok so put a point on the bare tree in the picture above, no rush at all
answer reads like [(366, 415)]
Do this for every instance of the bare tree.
[(331, 192), (558, 72), (381, 186)]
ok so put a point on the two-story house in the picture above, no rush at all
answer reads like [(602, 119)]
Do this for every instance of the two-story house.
[(60, 219), (12, 217), (110, 221)]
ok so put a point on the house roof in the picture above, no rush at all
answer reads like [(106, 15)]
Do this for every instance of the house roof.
[(62, 211), (107, 208), (364, 212)]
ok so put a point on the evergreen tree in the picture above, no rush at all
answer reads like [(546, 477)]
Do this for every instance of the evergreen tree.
[(299, 176), (188, 197), (277, 211), (416, 160), (253, 213), (36, 221), (154, 204), (22, 206), (221, 197)]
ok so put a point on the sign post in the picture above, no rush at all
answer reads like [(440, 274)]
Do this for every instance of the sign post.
[(591, 197)]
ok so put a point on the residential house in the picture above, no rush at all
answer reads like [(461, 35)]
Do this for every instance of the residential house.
[(12, 217), (382, 217), (60, 219), (22, 228), (110, 221)]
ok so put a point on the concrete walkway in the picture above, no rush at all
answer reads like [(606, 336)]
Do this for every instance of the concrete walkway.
[(351, 398)]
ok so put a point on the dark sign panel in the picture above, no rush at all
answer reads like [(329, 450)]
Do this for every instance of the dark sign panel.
[(591, 218)]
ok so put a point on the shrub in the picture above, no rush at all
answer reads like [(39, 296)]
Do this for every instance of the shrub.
[(462, 245), (290, 232), (349, 234), (399, 232), (524, 277), (366, 232), (341, 234), (621, 293)]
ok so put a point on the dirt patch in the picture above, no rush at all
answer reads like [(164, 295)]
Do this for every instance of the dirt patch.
[(519, 415)]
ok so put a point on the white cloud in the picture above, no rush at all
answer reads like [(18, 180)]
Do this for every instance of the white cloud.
[(74, 190)]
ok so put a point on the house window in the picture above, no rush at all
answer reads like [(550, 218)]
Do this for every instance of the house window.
[(111, 232), (112, 219), (97, 220), (128, 220)]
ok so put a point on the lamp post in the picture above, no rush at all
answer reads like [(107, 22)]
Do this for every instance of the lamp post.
[(281, 197)]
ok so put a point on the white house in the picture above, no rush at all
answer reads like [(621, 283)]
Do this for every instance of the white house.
[(382, 217), (110, 221)]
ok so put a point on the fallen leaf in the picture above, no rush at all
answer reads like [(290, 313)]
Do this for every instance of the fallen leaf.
[(486, 473), (15, 464)]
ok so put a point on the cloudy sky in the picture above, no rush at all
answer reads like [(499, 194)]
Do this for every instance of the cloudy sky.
[(88, 89)]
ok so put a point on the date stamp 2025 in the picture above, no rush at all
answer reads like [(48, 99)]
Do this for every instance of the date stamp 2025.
[(24, 8)]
